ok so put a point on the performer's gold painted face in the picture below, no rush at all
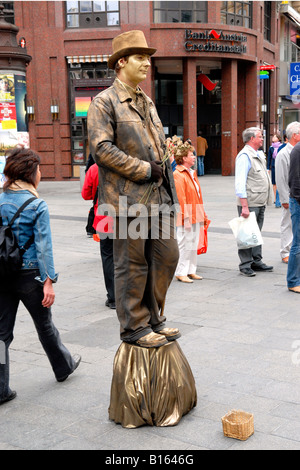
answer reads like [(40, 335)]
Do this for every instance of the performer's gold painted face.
[(135, 69)]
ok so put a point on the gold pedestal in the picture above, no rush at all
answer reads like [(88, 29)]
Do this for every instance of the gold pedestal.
[(151, 386)]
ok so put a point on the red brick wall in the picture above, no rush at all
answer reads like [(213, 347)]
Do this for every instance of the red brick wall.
[(42, 23)]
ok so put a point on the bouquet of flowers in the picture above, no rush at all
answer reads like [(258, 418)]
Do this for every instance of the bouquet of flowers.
[(172, 145)]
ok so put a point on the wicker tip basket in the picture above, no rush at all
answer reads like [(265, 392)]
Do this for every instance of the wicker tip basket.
[(238, 424)]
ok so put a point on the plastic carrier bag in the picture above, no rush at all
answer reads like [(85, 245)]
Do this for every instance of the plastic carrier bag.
[(246, 232)]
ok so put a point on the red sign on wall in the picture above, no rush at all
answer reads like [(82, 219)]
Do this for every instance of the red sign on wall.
[(267, 67)]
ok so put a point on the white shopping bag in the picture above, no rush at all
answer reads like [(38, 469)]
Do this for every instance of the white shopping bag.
[(246, 232)]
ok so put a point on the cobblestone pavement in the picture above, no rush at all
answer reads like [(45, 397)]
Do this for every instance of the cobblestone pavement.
[(240, 335)]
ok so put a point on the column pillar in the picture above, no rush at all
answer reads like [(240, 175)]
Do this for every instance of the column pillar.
[(229, 116), (189, 100)]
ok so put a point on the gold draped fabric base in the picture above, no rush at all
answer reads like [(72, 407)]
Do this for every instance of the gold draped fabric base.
[(151, 386)]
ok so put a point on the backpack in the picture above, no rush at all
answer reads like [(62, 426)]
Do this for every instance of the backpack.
[(11, 255)]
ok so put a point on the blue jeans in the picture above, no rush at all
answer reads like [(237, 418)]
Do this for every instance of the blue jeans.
[(293, 272), (26, 289), (200, 165), (277, 202)]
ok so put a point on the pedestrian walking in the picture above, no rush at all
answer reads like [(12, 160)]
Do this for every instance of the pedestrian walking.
[(272, 154), (293, 272), (282, 168), (33, 283), (103, 227), (201, 152)]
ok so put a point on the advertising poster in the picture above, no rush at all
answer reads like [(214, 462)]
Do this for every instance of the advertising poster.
[(13, 119), (20, 102), (8, 116), (7, 87)]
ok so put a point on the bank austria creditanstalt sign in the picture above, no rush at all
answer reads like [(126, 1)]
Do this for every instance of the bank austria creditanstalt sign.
[(213, 41)]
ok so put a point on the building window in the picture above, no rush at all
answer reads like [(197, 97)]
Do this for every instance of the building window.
[(180, 12), (267, 15), (86, 80), (237, 13), (97, 14), (8, 11), (291, 47)]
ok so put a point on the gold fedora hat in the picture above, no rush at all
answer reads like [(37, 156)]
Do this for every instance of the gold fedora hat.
[(131, 42)]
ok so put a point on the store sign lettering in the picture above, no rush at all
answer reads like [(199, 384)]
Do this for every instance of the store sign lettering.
[(294, 79), (213, 41)]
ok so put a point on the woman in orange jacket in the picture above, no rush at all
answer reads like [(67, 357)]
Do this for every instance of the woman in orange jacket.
[(192, 214)]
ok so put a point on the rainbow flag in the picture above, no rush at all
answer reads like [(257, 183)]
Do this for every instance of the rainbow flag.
[(82, 105)]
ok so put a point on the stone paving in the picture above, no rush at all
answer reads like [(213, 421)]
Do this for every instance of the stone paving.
[(240, 335)]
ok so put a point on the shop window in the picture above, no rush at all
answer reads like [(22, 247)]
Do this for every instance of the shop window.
[(96, 14), (180, 12), (86, 80), (169, 103), (8, 11), (237, 13), (291, 49)]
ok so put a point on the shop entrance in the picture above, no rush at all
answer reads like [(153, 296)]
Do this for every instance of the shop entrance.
[(169, 104), (209, 120)]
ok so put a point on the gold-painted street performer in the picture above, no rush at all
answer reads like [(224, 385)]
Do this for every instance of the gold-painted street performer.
[(128, 143)]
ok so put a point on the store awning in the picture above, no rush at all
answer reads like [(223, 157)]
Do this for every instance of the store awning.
[(290, 13), (83, 59)]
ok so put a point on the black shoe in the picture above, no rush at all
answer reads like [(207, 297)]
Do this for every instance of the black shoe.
[(110, 304), (261, 267), (247, 272), (77, 360), (9, 398)]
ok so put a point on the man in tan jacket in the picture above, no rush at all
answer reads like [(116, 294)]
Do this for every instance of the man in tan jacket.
[(127, 141), (201, 152)]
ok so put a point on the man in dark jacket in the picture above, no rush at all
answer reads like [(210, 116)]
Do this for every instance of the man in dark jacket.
[(293, 273), (127, 141)]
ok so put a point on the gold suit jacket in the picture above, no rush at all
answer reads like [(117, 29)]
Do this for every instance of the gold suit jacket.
[(121, 147)]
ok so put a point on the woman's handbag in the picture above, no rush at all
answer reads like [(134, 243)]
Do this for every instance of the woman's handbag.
[(246, 232), (203, 239)]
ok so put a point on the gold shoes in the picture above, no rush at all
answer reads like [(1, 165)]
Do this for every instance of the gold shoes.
[(170, 333), (155, 340), (184, 279), (152, 340), (189, 278), (195, 277)]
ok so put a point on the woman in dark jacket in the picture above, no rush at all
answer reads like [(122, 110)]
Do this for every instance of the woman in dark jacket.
[(272, 153), (32, 285)]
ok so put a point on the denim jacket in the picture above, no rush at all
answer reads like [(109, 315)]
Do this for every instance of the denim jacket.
[(34, 219)]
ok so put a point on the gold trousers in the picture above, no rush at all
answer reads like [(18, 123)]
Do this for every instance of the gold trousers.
[(144, 269)]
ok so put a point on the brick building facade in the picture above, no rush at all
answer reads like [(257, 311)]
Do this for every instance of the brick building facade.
[(204, 76)]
